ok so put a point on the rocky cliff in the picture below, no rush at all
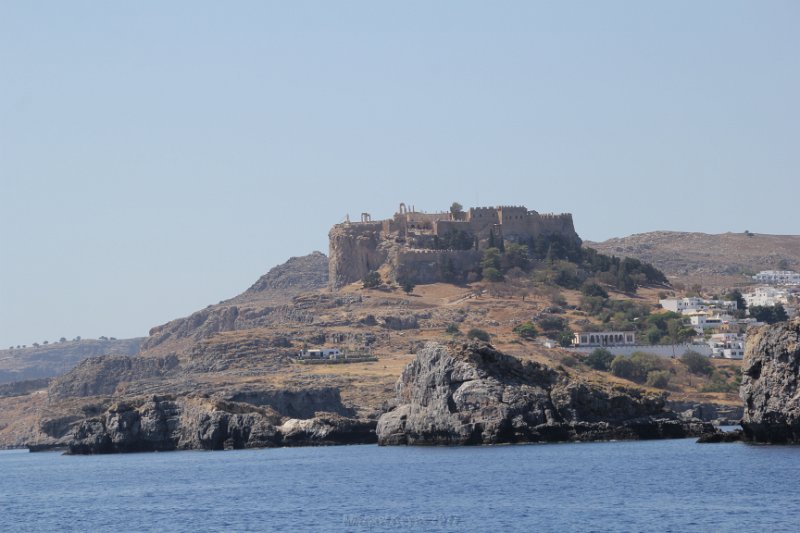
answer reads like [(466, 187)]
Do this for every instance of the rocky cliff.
[(298, 274), (771, 384), (165, 423), (473, 394), (354, 250)]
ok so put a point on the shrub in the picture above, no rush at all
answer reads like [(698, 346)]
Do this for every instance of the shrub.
[(479, 334), (697, 364), (658, 379), (593, 289), (565, 338), (569, 360), (552, 323), (637, 366), (452, 329), (600, 359), (526, 330), (492, 274), (408, 287), (371, 280), (624, 368)]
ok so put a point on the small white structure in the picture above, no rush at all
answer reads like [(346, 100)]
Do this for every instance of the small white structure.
[(603, 338), (687, 305), (324, 353), (778, 277), (702, 320), (727, 345), (766, 296)]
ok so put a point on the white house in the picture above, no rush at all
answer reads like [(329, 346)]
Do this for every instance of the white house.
[(727, 345), (687, 305), (324, 353), (702, 320), (766, 296), (778, 277)]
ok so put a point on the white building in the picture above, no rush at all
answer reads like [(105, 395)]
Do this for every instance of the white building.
[(727, 345), (703, 320), (325, 353), (687, 305), (766, 296), (603, 338), (778, 277)]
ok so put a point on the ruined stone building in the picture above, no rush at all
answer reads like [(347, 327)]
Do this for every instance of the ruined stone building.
[(426, 247)]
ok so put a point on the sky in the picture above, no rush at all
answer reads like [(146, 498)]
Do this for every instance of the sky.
[(158, 157)]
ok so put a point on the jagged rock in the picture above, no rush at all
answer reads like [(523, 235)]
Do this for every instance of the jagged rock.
[(473, 394), (722, 415), (298, 274), (770, 380), (100, 376), (354, 250), (400, 322), (165, 423)]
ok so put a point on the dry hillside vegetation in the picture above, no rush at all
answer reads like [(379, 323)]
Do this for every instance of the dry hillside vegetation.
[(713, 261)]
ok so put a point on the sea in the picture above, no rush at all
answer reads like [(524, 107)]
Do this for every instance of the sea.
[(666, 485)]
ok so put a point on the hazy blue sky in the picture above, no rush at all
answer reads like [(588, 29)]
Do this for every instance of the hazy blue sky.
[(157, 157)]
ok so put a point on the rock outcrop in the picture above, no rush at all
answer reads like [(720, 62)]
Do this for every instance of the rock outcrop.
[(354, 250), (298, 274), (100, 376), (473, 394), (771, 384), (166, 423)]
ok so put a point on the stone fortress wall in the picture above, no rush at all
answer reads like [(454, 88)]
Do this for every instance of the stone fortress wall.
[(404, 242)]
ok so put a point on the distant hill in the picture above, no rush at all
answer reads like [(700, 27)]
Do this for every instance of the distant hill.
[(52, 360), (722, 260)]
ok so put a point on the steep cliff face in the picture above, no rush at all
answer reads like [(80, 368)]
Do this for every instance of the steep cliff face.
[(770, 380), (473, 394), (298, 274), (355, 250), (100, 376), (165, 423)]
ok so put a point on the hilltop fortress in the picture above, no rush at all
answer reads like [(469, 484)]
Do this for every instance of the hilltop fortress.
[(430, 247)]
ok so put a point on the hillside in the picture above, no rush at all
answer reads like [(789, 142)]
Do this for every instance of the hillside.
[(238, 353), (51, 360), (713, 261), (234, 359)]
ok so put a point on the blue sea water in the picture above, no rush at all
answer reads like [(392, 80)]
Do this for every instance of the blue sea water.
[(673, 485)]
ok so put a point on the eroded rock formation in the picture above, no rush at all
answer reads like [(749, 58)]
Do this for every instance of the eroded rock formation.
[(473, 394), (770, 379), (165, 423)]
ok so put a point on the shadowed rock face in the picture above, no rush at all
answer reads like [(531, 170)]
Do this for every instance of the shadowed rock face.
[(770, 379), (473, 394), (165, 423)]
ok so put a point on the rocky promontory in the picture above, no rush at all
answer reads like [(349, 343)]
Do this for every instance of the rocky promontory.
[(473, 394), (770, 384), (165, 423)]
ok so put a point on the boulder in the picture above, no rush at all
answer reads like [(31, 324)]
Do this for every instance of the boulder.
[(473, 394), (770, 379)]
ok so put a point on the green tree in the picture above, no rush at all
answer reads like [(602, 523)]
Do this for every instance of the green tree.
[(697, 363), (476, 333), (593, 289), (768, 314), (457, 211), (600, 359), (408, 287), (526, 330), (371, 280), (658, 379)]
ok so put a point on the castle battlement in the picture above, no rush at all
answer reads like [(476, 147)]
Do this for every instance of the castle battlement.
[(412, 242)]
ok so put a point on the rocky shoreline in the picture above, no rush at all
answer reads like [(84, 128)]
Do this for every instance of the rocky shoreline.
[(473, 394)]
